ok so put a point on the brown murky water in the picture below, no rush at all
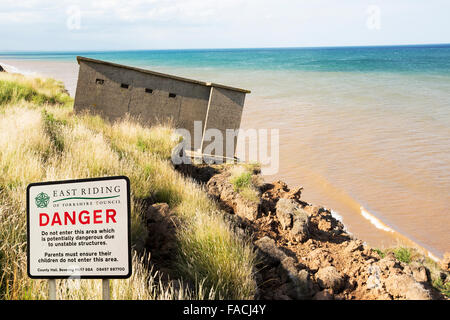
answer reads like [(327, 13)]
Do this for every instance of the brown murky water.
[(385, 171)]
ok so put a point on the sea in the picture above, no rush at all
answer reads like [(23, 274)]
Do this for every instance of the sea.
[(365, 130)]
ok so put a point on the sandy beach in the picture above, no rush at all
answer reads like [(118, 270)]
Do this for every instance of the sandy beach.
[(64, 71)]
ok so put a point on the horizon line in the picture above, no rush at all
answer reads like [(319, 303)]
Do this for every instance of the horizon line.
[(233, 48)]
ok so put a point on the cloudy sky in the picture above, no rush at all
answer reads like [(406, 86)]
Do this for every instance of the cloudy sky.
[(169, 24)]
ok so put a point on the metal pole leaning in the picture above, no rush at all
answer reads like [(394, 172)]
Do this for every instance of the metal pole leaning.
[(51, 289), (105, 289)]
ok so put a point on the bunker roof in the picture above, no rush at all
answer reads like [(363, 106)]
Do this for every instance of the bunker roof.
[(208, 84)]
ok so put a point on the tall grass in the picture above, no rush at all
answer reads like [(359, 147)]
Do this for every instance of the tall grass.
[(243, 180), (15, 88), (42, 140)]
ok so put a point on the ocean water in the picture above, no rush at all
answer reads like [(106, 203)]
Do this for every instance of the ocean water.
[(365, 130)]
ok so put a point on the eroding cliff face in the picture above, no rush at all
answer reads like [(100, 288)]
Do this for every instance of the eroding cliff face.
[(305, 253)]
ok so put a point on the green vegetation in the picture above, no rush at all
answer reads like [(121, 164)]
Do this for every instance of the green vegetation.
[(380, 252), (42, 140), (243, 180), (435, 273), (403, 254), (444, 288), (413, 256), (15, 88), (53, 129)]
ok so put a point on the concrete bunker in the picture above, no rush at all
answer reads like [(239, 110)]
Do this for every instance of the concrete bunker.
[(112, 90)]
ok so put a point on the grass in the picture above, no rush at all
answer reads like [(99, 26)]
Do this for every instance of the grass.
[(243, 181), (444, 288), (15, 88), (52, 128), (43, 140), (380, 252), (403, 254)]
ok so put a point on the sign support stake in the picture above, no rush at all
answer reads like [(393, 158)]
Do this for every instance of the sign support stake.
[(51, 289), (105, 289)]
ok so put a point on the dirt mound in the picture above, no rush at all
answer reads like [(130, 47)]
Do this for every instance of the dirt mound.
[(306, 253)]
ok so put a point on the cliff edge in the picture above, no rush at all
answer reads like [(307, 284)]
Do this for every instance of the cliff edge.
[(306, 253)]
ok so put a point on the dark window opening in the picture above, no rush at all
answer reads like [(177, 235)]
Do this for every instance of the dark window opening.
[(148, 90), (99, 81), (172, 95), (124, 85)]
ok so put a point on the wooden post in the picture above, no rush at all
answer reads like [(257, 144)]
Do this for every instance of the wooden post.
[(51, 289), (105, 289)]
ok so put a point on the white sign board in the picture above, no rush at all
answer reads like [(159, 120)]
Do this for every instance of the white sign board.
[(79, 228)]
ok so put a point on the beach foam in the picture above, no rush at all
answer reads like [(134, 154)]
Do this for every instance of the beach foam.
[(375, 221), (12, 69)]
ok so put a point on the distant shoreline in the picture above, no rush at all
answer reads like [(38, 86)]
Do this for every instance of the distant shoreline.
[(64, 71)]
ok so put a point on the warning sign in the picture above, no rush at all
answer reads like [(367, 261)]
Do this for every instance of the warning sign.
[(79, 228)]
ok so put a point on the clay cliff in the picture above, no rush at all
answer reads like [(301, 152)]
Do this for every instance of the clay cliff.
[(306, 253)]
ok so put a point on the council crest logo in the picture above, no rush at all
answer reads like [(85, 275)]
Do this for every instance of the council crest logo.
[(42, 200)]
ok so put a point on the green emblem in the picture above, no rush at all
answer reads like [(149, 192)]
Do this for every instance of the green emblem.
[(42, 200)]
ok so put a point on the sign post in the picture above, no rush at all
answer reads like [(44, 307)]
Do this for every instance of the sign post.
[(79, 229), (105, 289), (51, 289)]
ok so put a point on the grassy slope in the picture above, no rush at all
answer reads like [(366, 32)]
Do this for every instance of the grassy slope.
[(41, 140)]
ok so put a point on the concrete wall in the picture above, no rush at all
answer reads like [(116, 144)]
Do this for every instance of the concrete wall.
[(224, 112), (153, 98)]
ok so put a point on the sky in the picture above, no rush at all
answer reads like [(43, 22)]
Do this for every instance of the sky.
[(92, 25)]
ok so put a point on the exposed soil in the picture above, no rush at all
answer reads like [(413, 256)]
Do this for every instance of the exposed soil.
[(305, 253)]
